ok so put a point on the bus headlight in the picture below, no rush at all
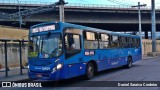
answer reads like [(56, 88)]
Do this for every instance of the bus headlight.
[(59, 66)]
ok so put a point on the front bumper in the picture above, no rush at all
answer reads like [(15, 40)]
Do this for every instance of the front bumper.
[(57, 75)]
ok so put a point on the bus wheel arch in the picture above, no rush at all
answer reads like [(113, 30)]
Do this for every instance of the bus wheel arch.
[(91, 69)]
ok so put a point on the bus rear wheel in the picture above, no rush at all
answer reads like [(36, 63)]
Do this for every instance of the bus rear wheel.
[(90, 71), (129, 63)]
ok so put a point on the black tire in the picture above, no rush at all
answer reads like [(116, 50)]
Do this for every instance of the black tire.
[(129, 63), (90, 71)]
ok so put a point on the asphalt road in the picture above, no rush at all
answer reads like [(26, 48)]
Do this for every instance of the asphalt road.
[(144, 70)]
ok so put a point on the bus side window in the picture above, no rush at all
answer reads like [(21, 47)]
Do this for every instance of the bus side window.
[(104, 40), (137, 43), (129, 42), (115, 41), (134, 43), (72, 44), (122, 41), (126, 42), (90, 40)]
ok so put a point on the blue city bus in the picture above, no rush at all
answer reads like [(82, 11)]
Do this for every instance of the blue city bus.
[(59, 50)]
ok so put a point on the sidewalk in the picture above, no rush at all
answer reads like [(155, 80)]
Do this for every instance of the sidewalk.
[(14, 75), (148, 57)]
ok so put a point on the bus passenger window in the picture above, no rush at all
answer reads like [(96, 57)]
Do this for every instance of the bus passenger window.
[(122, 41), (115, 42), (126, 45), (90, 40), (72, 42), (137, 43), (129, 42), (104, 41)]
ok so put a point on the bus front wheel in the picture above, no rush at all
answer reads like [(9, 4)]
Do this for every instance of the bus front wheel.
[(90, 71)]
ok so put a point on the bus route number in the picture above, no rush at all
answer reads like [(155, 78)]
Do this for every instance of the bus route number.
[(89, 53)]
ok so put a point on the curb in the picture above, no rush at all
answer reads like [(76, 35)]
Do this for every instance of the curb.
[(150, 58)]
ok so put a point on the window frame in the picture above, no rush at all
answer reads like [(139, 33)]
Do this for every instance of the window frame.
[(137, 43), (114, 41), (122, 41), (74, 51), (109, 41), (85, 39), (79, 41)]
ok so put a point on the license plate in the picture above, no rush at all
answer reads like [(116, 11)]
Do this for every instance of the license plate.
[(38, 75)]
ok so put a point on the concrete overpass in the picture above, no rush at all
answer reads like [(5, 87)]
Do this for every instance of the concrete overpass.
[(115, 18)]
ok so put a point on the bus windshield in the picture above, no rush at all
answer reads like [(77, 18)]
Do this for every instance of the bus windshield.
[(45, 46)]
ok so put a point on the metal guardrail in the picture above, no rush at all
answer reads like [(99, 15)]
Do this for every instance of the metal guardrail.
[(78, 5), (103, 6)]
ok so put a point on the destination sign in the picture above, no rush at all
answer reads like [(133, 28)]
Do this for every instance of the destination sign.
[(43, 28)]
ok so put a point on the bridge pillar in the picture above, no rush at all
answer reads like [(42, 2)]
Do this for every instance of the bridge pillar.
[(146, 34)]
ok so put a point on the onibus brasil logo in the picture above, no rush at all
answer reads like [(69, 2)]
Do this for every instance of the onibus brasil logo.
[(15, 84)]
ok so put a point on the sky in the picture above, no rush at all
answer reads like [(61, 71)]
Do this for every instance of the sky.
[(106, 2)]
